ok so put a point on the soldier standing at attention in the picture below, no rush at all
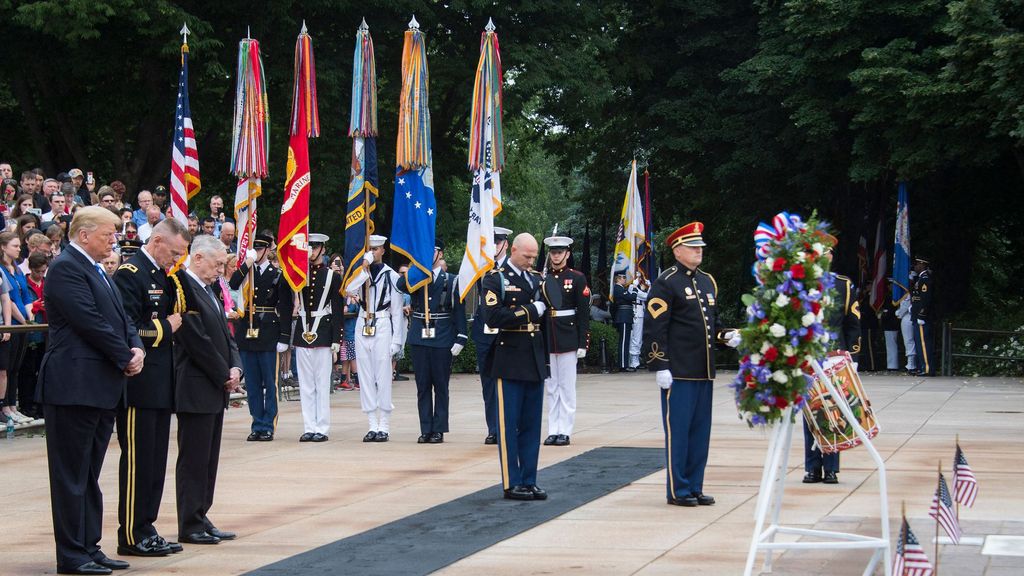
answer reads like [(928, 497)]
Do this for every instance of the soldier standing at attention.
[(568, 321), (623, 300), (518, 361), (317, 339), (437, 333), (920, 314), (483, 336), (680, 332), (144, 417), (256, 334)]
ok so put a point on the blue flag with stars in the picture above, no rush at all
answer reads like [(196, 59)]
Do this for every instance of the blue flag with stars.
[(412, 227)]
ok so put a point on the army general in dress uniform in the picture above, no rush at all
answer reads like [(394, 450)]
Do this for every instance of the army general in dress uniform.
[(437, 333), (680, 333), (144, 417), (518, 361), (256, 334), (566, 325)]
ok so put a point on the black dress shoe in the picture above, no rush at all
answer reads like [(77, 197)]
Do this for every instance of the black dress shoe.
[(538, 492), (436, 438), (307, 437), (812, 478), (630, 369), (111, 563), (318, 437), (551, 440), (253, 437), (423, 439), (173, 546), (199, 538), (518, 493), (381, 437), (704, 499), (562, 440), (87, 568), (266, 436), (396, 377), (148, 547), (491, 439), (830, 477), (217, 533), (371, 436), (688, 501)]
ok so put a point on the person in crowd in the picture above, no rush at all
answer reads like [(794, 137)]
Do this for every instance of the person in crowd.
[(218, 215), (128, 248), (22, 205), (153, 217), (22, 228), (108, 199), (379, 330), (88, 323), (193, 224), (38, 263), (227, 236), (598, 313), (9, 190), (437, 334), (119, 191), (256, 334), (126, 216), (6, 170), (144, 199), (623, 300), (111, 263), (29, 184), (21, 298), (483, 337), (38, 242), (50, 187), (58, 207), (57, 239), (209, 225), (5, 353), (160, 198), (82, 187), (144, 418), (207, 369), (518, 361), (396, 376)]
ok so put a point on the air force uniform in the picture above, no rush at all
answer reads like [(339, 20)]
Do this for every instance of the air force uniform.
[(623, 301)]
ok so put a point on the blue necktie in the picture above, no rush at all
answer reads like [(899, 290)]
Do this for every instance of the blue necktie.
[(103, 274)]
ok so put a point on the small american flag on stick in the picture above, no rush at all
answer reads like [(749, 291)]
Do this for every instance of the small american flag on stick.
[(942, 511), (965, 485)]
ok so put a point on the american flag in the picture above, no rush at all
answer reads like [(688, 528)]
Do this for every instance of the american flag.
[(942, 511), (964, 482), (184, 155), (910, 559)]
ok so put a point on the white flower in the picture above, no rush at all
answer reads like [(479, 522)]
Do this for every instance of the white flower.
[(813, 293), (755, 358), (826, 301), (765, 346), (807, 319), (798, 373), (768, 263), (801, 256), (777, 330), (780, 377), (817, 271), (820, 316), (788, 351), (818, 248), (782, 300), (824, 337), (765, 408)]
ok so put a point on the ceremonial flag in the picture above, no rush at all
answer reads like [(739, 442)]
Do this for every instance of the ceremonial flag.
[(964, 483), (184, 154), (910, 559), (901, 248), (293, 230), (630, 234), (650, 267), (412, 226), (942, 510), (879, 264), (249, 144), (362, 185), (486, 159)]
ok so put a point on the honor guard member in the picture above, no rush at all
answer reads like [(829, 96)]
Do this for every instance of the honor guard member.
[(380, 329), (257, 332), (129, 247), (639, 286), (921, 316), (483, 336), (317, 338), (623, 300), (566, 326), (680, 332), (437, 333), (843, 320), (144, 416), (518, 360)]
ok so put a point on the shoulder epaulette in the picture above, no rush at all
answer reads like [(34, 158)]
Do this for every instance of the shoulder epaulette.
[(129, 267), (535, 272), (710, 277), (668, 272), (492, 271)]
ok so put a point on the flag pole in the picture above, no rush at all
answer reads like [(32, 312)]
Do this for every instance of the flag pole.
[(937, 495), (955, 459), (903, 534)]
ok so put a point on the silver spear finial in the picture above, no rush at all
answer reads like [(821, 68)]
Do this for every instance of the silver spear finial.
[(184, 33), (363, 26), (304, 30), (490, 25), (413, 24)]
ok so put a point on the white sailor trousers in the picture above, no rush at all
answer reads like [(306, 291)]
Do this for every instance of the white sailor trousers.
[(314, 370), (560, 393), (373, 355)]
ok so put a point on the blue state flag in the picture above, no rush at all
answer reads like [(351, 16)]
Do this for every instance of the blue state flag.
[(901, 249), (412, 227), (360, 204)]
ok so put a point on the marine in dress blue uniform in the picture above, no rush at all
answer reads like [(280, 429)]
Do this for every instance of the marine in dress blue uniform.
[(921, 317), (483, 336), (680, 334), (437, 333), (256, 333), (518, 361)]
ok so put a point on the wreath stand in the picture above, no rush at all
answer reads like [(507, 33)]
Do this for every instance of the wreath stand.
[(773, 482)]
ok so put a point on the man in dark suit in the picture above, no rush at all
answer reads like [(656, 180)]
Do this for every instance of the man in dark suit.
[(518, 361), (206, 369), (144, 418), (87, 324)]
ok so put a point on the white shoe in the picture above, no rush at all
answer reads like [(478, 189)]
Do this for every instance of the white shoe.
[(20, 418)]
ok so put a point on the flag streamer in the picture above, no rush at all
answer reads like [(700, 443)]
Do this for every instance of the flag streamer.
[(251, 135), (364, 87), (414, 113), (305, 115), (487, 106)]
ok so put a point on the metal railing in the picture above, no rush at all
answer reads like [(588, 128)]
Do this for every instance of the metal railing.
[(948, 355), (19, 328)]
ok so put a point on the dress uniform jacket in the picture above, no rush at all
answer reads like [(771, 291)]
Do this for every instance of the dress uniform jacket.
[(447, 312), (844, 318), (266, 295), (567, 319), (921, 297), (623, 303), (519, 352), (681, 324), (331, 328)]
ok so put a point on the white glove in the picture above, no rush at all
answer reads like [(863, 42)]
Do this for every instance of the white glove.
[(581, 353), (664, 379), (335, 348), (920, 321), (733, 339), (456, 349), (250, 254), (395, 349), (281, 347), (368, 257), (540, 307)]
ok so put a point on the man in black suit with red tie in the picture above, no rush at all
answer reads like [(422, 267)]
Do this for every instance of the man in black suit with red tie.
[(87, 324), (207, 368)]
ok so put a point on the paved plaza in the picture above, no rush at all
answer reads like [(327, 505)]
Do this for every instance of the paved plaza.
[(284, 498)]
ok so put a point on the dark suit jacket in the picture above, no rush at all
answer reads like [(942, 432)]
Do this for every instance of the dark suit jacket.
[(90, 339), (204, 353)]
